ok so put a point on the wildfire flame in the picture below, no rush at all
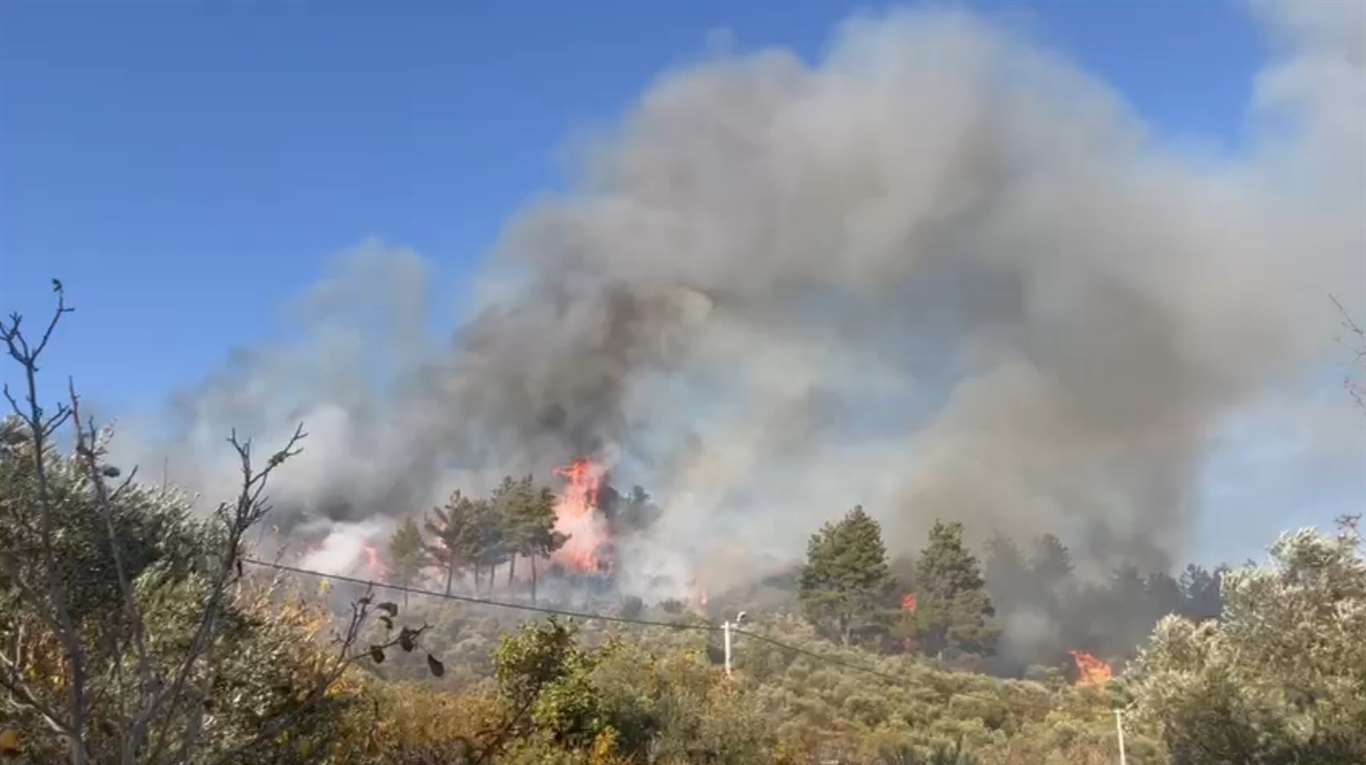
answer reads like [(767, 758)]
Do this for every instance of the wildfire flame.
[(1091, 672), (908, 603), (576, 515), (373, 564)]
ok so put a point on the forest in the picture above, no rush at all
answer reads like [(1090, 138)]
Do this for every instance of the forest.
[(138, 630)]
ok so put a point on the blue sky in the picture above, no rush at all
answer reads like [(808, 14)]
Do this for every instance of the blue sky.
[(188, 167)]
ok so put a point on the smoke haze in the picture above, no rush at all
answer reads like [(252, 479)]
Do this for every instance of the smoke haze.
[(942, 273)]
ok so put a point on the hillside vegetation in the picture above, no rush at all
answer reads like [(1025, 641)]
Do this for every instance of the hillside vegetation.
[(133, 631)]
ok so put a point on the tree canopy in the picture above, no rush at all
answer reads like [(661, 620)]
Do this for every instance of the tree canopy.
[(1281, 676), (953, 609), (845, 588)]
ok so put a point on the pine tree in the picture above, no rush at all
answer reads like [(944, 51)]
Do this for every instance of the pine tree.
[(454, 532), (1050, 576), (1009, 579), (629, 512), (509, 499), (845, 588), (1201, 592), (542, 538), (488, 547), (1051, 562), (953, 608), (408, 552), (528, 517)]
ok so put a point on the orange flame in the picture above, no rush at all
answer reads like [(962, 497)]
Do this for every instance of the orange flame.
[(372, 562), (908, 603), (575, 515), (1091, 672)]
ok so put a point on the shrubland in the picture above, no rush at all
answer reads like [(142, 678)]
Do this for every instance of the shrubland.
[(132, 632)]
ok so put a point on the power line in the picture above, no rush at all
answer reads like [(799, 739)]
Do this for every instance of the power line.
[(564, 612), (485, 601)]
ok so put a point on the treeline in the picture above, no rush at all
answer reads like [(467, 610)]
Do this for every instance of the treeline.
[(1014, 612), (476, 536), (132, 632), (1046, 610)]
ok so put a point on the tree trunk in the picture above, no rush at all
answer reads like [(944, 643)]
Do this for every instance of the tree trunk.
[(533, 579), (450, 574), (512, 569)]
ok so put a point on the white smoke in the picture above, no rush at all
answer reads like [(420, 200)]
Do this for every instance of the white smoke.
[(941, 273)]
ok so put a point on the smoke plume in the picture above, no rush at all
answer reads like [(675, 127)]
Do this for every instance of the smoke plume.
[(942, 272)]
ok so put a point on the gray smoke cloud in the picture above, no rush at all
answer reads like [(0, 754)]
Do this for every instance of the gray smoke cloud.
[(942, 272)]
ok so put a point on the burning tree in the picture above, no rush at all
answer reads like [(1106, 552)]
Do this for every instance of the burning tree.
[(579, 520), (1091, 672)]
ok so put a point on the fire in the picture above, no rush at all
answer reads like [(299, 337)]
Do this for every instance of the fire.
[(585, 483), (1091, 672), (576, 515), (372, 562), (908, 603)]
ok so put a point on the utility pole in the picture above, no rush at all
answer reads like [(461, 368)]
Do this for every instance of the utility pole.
[(1119, 720), (726, 627)]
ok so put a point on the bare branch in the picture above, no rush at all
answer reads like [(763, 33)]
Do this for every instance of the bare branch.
[(54, 596), (237, 519), (20, 692), (1354, 389)]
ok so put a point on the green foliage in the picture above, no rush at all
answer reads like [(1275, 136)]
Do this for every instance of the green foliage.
[(456, 538), (408, 553), (259, 667), (543, 675), (845, 588), (149, 527), (1281, 678), (1278, 679), (527, 515), (953, 609), (479, 535)]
